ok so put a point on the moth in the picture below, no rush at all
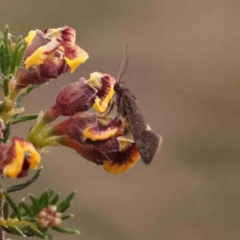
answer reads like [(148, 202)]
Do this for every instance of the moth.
[(148, 141)]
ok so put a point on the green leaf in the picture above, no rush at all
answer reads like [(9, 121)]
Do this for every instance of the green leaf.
[(35, 205), (6, 210), (65, 207), (20, 206), (20, 55), (14, 230), (55, 199), (25, 118), (37, 232), (20, 97), (65, 204), (67, 231), (6, 87), (3, 63), (26, 184), (27, 210), (13, 205), (50, 193), (27, 233), (2, 107), (43, 201), (6, 229), (19, 43), (6, 132), (8, 54), (65, 217)]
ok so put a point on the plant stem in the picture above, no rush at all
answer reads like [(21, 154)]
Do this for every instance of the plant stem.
[(2, 233)]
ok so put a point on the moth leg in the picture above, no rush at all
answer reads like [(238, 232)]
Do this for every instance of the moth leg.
[(109, 109), (121, 107)]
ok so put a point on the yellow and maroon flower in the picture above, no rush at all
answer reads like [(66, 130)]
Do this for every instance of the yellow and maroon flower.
[(117, 155), (48, 55), (97, 139), (80, 96), (104, 83), (17, 158)]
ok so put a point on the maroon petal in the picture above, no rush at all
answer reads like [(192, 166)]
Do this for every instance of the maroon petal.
[(38, 41), (25, 167), (76, 97), (75, 125)]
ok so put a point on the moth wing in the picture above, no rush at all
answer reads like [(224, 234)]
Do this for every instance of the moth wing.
[(148, 141), (149, 144)]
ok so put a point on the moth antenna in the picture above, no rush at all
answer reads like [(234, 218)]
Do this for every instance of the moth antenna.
[(124, 64)]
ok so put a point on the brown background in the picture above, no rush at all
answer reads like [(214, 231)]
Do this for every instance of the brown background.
[(185, 71)]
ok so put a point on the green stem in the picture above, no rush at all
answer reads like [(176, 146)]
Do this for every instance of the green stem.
[(35, 131)]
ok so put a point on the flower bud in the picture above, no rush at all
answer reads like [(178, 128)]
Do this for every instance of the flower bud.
[(76, 97), (96, 139), (49, 217)]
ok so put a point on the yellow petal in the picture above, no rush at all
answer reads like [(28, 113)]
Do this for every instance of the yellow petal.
[(41, 54), (95, 79), (36, 58), (93, 135), (30, 37), (14, 168), (55, 32), (127, 163), (116, 168), (75, 62), (20, 149), (101, 106)]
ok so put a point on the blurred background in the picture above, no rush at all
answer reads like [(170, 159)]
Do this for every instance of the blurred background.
[(185, 72)]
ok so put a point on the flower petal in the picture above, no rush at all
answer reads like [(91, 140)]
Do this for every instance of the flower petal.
[(104, 83), (21, 155), (38, 57), (104, 128), (78, 59), (76, 97), (14, 168), (86, 150), (66, 34), (30, 37), (74, 126), (125, 159)]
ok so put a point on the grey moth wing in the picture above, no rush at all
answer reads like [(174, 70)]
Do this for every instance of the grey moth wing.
[(147, 140)]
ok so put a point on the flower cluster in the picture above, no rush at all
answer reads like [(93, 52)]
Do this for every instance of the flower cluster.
[(87, 128), (49, 217), (46, 55), (95, 136), (98, 138)]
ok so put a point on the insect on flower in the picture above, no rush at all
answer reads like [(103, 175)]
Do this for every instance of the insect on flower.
[(148, 141)]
